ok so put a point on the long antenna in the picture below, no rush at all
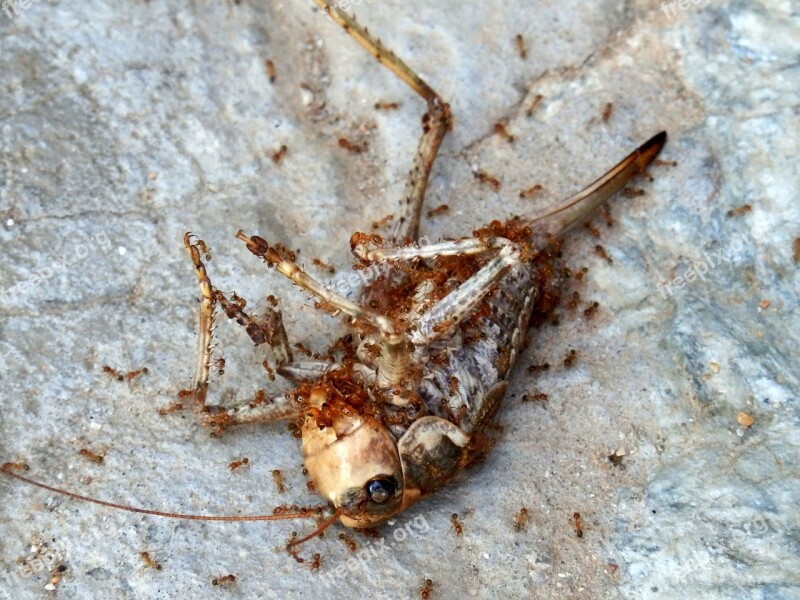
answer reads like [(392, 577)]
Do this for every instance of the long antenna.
[(304, 513), (319, 530)]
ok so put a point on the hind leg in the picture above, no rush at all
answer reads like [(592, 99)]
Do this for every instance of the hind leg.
[(435, 124), (445, 315), (462, 247)]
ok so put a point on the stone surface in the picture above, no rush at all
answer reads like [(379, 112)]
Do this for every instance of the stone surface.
[(123, 126)]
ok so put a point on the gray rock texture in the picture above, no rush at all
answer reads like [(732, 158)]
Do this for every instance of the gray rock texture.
[(123, 125)]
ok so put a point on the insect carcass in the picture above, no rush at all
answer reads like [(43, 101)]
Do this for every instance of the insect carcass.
[(394, 419), (403, 404)]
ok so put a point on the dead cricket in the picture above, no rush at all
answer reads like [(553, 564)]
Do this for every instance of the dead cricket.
[(406, 402)]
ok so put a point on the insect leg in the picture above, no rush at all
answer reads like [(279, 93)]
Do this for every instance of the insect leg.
[(448, 312), (206, 318), (463, 247), (261, 248), (306, 369), (467, 246), (435, 123), (279, 408), (219, 417), (395, 350)]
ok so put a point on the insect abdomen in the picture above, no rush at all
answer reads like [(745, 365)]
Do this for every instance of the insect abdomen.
[(463, 371)]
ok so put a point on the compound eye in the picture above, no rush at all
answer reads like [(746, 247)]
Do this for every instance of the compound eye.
[(382, 489)]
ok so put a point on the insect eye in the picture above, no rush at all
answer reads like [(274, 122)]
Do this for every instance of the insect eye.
[(381, 489)]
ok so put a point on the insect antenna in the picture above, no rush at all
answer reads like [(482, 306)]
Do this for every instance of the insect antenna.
[(319, 530), (303, 513)]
